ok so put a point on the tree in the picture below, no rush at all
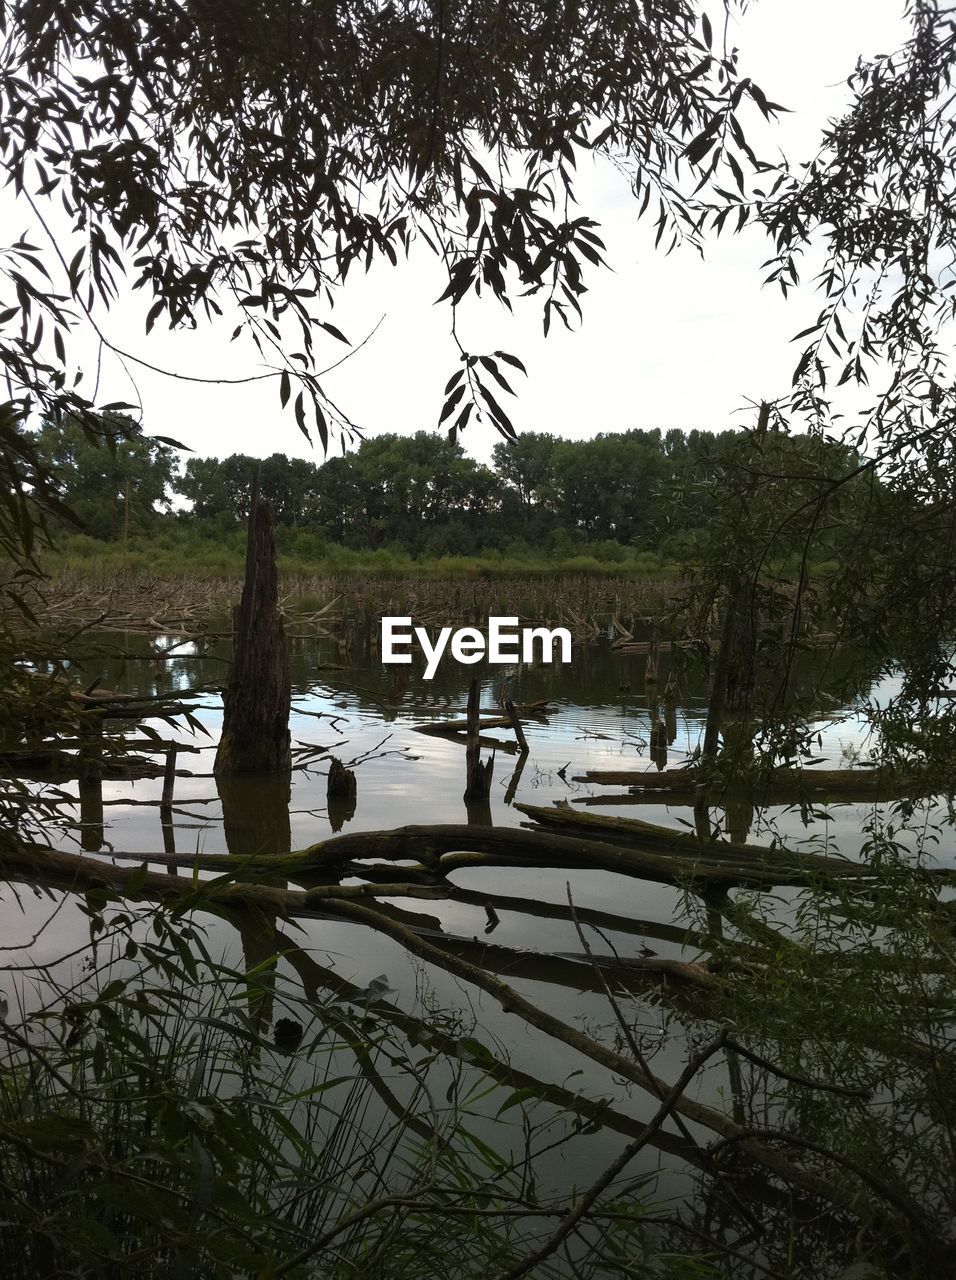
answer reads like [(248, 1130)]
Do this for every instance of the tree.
[(250, 157), (117, 483), (527, 466), (219, 489)]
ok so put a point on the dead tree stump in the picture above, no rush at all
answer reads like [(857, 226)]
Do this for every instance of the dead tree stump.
[(341, 794), (478, 773), (255, 729)]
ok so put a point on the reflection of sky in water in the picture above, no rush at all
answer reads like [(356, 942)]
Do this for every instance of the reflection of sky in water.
[(366, 713)]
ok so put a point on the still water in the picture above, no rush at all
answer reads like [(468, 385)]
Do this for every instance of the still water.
[(365, 713)]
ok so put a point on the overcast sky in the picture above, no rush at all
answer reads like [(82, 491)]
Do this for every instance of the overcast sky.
[(666, 341)]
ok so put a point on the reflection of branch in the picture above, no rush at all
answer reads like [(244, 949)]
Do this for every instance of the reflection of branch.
[(512, 1002), (905, 1207), (25, 946), (585, 1202), (314, 976), (636, 1049)]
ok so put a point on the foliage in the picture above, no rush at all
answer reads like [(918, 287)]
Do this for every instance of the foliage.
[(542, 499), (115, 482), (240, 164), (150, 1121), (856, 989)]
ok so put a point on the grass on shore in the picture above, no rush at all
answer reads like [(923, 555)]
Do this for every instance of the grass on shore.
[(167, 555)]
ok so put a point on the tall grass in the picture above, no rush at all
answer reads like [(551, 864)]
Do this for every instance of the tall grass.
[(175, 551), (151, 1125)]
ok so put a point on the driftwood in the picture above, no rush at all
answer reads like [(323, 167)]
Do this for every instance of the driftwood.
[(779, 786), (634, 833), (441, 728), (439, 850)]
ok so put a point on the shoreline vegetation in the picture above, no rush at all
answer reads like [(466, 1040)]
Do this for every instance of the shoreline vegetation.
[(168, 555), (627, 502), (174, 553)]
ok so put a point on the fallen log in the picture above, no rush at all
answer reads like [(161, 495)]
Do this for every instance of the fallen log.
[(80, 874), (658, 839), (535, 710), (784, 785), (598, 1112), (63, 766), (442, 849)]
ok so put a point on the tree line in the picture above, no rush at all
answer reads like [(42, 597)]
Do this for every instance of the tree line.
[(643, 490)]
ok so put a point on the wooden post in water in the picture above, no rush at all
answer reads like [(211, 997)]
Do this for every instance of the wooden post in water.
[(517, 726), (90, 781), (256, 703), (166, 806), (478, 774), (653, 660)]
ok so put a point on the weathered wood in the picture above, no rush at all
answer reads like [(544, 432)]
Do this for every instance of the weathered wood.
[(658, 839), (478, 773), (446, 847), (258, 698), (341, 782), (452, 728), (341, 794), (777, 784), (516, 725)]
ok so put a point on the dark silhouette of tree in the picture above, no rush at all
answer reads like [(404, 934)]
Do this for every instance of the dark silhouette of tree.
[(118, 483), (255, 154)]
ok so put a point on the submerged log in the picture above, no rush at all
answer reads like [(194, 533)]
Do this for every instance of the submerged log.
[(257, 701), (778, 783), (341, 781), (537, 710)]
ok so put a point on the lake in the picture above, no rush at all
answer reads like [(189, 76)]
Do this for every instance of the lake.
[(513, 921)]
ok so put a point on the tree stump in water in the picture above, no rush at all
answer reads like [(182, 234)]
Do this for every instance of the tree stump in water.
[(341, 794), (478, 774), (255, 728)]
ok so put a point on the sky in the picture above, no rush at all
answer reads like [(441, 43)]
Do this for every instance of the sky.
[(666, 341)]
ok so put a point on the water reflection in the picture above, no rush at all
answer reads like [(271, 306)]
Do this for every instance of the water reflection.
[(255, 822), (367, 713)]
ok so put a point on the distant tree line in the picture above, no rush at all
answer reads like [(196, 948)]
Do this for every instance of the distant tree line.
[(639, 490)]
